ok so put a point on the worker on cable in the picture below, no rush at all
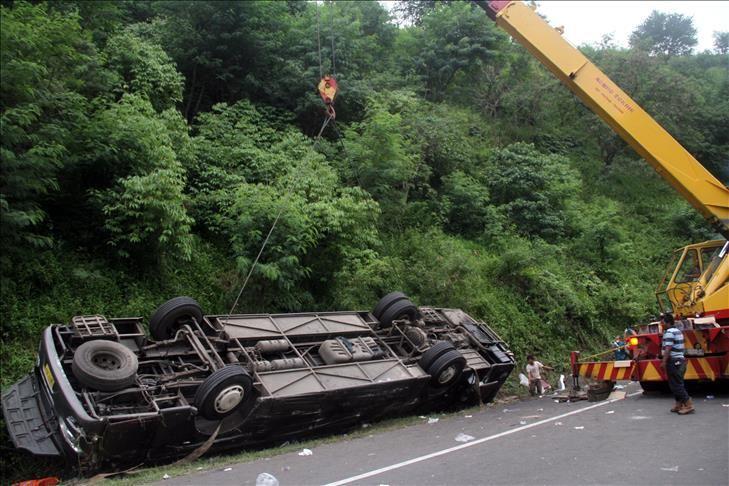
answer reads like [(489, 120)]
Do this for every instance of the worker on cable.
[(674, 363)]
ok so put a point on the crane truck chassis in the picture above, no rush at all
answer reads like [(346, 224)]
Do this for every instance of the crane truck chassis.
[(695, 288), (105, 394)]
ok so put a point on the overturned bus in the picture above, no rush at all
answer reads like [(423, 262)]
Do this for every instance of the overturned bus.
[(104, 394)]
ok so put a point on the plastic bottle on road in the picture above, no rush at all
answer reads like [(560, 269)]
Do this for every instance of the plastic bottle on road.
[(265, 479)]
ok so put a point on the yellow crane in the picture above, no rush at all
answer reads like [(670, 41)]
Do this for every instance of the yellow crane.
[(696, 285)]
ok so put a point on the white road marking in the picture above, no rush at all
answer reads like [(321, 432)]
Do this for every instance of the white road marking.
[(415, 460)]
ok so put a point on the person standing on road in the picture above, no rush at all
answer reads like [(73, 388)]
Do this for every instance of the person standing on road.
[(674, 362), (534, 374)]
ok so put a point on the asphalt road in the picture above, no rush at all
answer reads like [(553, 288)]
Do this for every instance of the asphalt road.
[(631, 441)]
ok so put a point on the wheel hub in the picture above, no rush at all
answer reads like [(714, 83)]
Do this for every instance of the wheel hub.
[(229, 398), (106, 361), (447, 374)]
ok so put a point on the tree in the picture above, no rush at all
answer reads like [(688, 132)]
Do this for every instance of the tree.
[(530, 188), (665, 34), (144, 68), (138, 180), (450, 40), (47, 66), (721, 42)]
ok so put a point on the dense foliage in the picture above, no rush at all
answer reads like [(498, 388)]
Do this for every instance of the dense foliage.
[(148, 147)]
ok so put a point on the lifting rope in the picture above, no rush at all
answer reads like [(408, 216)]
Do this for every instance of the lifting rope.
[(327, 90), (327, 86)]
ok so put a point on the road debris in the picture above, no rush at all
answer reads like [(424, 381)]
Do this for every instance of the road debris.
[(670, 469), (306, 452), (527, 417), (166, 476), (266, 479), (522, 422), (227, 469), (464, 437), (468, 416), (433, 420), (364, 426), (639, 417), (618, 387), (609, 412), (558, 423), (617, 395), (506, 400), (725, 404), (710, 397), (579, 427), (523, 381)]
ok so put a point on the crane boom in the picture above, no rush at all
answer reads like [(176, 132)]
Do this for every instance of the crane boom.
[(668, 157)]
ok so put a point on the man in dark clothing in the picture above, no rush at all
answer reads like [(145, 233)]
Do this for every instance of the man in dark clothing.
[(674, 362)]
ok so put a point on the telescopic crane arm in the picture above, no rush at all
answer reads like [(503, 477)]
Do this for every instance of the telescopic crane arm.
[(673, 162)]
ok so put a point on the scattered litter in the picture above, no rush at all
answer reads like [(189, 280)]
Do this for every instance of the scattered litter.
[(710, 397), (558, 423), (364, 426), (371, 454), (725, 404), (509, 399), (265, 479), (286, 468), (639, 417), (580, 427), (609, 412), (227, 469), (700, 469), (306, 452), (433, 420), (619, 387), (423, 417), (671, 469), (540, 410), (561, 383), (166, 476), (617, 395), (506, 410), (523, 379), (527, 417), (522, 422), (198, 468), (533, 436), (556, 401), (464, 437), (468, 416)]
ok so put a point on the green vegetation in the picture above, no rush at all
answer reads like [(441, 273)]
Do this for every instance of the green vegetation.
[(147, 148)]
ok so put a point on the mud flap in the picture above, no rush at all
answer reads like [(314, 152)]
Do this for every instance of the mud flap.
[(27, 428)]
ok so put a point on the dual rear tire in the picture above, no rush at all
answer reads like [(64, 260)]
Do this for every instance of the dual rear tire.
[(395, 306), (443, 363)]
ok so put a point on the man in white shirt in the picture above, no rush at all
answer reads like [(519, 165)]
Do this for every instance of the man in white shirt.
[(534, 374)]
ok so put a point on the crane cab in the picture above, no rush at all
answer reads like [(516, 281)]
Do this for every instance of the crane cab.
[(696, 281)]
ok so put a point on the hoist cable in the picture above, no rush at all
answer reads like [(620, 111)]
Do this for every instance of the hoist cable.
[(328, 119), (318, 41), (331, 33)]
